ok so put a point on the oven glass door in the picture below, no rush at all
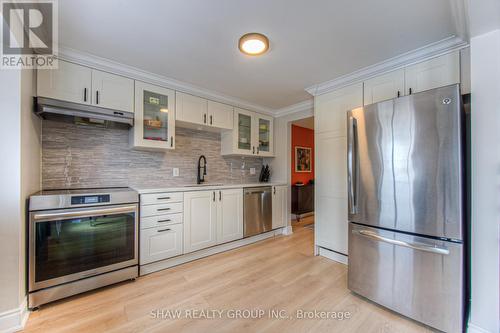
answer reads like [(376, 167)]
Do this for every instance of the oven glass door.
[(71, 244)]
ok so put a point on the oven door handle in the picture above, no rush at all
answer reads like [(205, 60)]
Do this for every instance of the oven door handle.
[(41, 217)]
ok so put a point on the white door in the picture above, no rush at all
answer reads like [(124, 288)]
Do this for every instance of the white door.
[(191, 109), (220, 115), (229, 215), (200, 220), (69, 82), (434, 73), (330, 167), (279, 206), (160, 243), (383, 87), (264, 135), (154, 117), (112, 91)]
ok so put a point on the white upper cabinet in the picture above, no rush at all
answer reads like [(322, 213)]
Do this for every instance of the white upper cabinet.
[(252, 135), (154, 120), (69, 82), (264, 135), (80, 84), (112, 91), (200, 220), (384, 87), (220, 115), (434, 73), (229, 215), (191, 109)]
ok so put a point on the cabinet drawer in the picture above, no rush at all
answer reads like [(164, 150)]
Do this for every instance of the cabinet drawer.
[(160, 220), (160, 198), (160, 243), (167, 208)]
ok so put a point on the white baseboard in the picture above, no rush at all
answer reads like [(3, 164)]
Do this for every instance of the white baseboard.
[(472, 328), (167, 263), (338, 257), (287, 230), (15, 319)]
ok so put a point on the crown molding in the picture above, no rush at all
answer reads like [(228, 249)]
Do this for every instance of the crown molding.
[(298, 107), (426, 52), (107, 65)]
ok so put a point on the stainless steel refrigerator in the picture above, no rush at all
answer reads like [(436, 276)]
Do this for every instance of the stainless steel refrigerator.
[(406, 210)]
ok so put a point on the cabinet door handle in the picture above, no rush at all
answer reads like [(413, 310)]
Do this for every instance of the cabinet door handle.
[(84, 94), (410, 91), (97, 97), (399, 93), (220, 195), (214, 195), (171, 141), (163, 230), (211, 119), (258, 150), (205, 118), (253, 150), (161, 221)]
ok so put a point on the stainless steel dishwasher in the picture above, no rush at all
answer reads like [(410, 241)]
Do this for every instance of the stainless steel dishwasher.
[(257, 210)]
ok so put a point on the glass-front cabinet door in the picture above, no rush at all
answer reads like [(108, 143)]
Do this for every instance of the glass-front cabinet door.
[(264, 135), (245, 132), (154, 125)]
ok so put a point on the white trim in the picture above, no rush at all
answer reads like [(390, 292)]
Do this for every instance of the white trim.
[(14, 320), (472, 328), (299, 107), (288, 230), (107, 65), (432, 50), (182, 259), (335, 256)]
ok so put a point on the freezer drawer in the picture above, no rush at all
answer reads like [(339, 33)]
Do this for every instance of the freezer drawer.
[(418, 277)]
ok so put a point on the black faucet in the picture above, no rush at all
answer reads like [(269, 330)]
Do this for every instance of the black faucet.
[(201, 176)]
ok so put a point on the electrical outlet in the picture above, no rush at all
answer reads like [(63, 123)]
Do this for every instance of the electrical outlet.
[(252, 171), (175, 172)]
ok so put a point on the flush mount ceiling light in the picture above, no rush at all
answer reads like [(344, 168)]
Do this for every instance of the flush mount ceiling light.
[(253, 44)]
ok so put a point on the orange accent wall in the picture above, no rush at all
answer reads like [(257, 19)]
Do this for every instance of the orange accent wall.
[(302, 137)]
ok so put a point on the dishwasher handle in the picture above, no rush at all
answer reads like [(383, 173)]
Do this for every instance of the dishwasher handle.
[(267, 189)]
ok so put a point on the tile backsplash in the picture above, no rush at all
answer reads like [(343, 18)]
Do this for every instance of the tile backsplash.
[(86, 156)]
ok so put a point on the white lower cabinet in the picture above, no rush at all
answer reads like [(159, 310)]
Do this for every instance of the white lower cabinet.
[(229, 215), (160, 243), (279, 206), (200, 220)]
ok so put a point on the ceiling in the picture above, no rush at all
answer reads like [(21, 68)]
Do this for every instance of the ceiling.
[(195, 41), (306, 122)]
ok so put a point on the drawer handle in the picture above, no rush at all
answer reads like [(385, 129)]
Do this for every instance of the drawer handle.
[(168, 220), (163, 198), (162, 209), (163, 230), (414, 246)]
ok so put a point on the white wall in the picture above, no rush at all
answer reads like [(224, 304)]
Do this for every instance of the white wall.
[(485, 133), (19, 177), (280, 164)]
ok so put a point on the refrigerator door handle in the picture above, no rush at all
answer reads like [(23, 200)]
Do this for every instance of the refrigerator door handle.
[(414, 246), (351, 165)]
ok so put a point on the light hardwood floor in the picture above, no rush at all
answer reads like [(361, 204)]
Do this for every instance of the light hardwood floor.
[(279, 273)]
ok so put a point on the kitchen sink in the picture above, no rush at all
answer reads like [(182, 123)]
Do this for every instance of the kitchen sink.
[(207, 184)]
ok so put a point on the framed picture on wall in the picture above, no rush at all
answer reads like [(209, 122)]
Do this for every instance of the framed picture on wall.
[(303, 159)]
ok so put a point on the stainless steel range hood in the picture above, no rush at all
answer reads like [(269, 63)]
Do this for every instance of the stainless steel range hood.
[(49, 106)]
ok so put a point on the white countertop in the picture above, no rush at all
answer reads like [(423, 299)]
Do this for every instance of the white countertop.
[(146, 190)]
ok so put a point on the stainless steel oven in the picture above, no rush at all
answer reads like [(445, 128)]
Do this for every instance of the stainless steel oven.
[(80, 240)]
